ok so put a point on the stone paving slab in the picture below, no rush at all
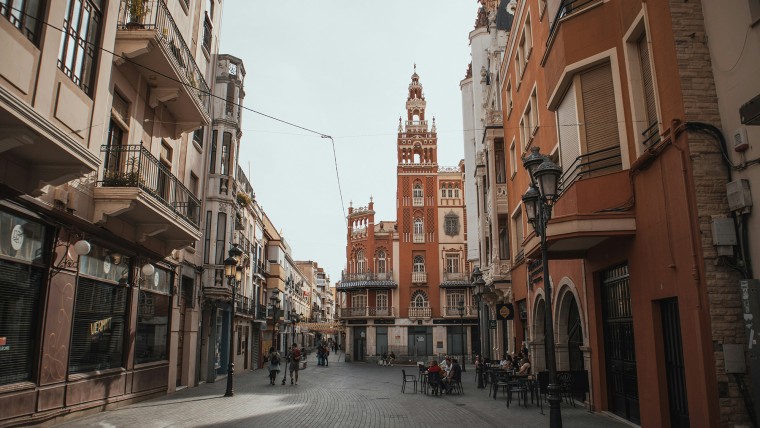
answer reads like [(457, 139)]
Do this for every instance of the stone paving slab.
[(339, 395)]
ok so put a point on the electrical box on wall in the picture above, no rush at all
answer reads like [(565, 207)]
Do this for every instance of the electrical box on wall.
[(740, 140), (739, 196), (723, 235)]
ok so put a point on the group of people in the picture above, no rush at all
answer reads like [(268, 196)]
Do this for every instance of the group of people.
[(445, 375), (387, 359), (323, 352), (292, 360), (519, 363)]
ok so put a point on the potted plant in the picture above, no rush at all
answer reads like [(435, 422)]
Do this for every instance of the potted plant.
[(137, 11)]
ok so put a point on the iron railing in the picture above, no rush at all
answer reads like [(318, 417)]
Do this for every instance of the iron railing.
[(651, 135), (367, 276), (591, 164), (134, 166), (457, 311), (566, 7), (367, 312), (245, 306), (154, 15), (261, 312)]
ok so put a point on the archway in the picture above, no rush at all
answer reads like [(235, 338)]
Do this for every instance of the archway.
[(537, 349)]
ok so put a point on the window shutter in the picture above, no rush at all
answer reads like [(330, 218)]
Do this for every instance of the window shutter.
[(569, 141), (19, 301), (647, 80), (600, 119)]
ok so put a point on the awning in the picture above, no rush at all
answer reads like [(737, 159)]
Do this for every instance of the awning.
[(353, 285), (456, 284)]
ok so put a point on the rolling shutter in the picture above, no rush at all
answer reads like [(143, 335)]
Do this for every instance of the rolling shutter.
[(600, 120), (569, 140), (647, 80)]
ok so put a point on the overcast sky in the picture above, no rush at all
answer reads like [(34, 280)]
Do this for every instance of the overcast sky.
[(341, 68)]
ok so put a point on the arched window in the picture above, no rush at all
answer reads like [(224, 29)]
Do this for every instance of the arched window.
[(419, 299), (451, 194), (456, 192), (381, 261), (360, 262), (443, 191), (418, 226), (417, 191), (419, 264), (451, 224)]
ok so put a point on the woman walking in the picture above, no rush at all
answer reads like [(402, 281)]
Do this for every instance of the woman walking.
[(274, 364)]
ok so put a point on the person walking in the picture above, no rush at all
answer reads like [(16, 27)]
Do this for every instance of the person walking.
[(294, 365), (274, 364), (325, 354), (320, 355)]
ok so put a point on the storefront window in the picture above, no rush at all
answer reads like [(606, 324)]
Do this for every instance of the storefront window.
[(20, 243), (153, 309)]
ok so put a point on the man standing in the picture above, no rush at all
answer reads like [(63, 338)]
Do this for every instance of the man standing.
[(295, 362), (454, 376)]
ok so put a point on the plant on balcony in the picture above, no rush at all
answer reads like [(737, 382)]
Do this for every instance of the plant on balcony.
[(130, 177), (243, 199), (137, 11)]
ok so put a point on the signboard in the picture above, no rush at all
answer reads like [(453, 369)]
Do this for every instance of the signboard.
[(492, 324), (505, 311)]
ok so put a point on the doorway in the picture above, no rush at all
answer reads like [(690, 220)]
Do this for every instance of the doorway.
[(674, 368), (619, 347), (359, 351)]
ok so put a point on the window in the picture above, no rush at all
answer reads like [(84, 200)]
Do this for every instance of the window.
[(418, 226), (527, 126), (453, 297), (20, 285), (602, 140), (208, 25), (381, 261), (25, 15), (153, 309), (382, 299), (501, 165), (509, 98), (361, 262), (503, 238), (512, 159), (230, 105), (533, 113), (212, 156), (443, 191), (359, 300), (207, 238), (456, 192), (517, 225), (419, 264), (226, 154), (419, 299), (221, 237), (198, 136), (452, 263), (119, 106), (417, 195), (523, 134), (451, 224), (79, 46), (526, 41)]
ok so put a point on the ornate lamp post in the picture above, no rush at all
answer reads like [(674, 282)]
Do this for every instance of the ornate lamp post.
[(234, 273), (538, 201), (480, 285)]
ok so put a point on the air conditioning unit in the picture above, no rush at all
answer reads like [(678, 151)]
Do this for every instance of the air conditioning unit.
[(739, 139)]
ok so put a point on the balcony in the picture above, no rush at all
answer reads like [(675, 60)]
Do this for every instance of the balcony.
[(418, 201), (416, 124), (367, 312), (417, 312), (148, 37), (454, 311), (139, 190), (594, 206), (245, 306), (419, 277), (366, 280), (418, 238)]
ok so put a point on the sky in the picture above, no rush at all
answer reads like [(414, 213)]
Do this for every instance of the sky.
[(340, 68)]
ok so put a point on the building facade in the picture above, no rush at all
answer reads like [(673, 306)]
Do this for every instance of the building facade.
[(101, 198), (405, 286), (648, 256)]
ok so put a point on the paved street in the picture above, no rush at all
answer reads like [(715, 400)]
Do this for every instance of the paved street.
[(340, 395)]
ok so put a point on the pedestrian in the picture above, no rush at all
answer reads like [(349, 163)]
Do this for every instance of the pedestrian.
[(325, 354), (391, 358), (274, 364), (295, 360), (319, 355)]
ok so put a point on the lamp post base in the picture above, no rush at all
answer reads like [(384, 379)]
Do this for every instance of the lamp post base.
[(555, 414), (230, 374)]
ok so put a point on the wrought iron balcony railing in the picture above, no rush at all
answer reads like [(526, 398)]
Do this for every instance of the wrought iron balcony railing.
[(135, 166), (154, 15), (366, 312), (419, 277), (367, 276), (566, 7), (591, 164)]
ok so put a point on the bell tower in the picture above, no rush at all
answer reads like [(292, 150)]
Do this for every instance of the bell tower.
[(417, 205)]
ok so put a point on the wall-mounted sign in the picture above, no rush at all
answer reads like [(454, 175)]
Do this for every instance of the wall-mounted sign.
[(100, 326), (17, 237), (505, 311)]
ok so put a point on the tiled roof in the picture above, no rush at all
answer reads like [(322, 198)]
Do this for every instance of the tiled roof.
[(455, 284)]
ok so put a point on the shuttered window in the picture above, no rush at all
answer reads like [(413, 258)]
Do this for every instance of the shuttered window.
[(647, 80), (19, 301), (153, 310), (569, 139), (97, 337), (600, 120)]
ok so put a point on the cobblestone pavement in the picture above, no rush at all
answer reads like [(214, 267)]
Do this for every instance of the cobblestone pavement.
[(339, 395)]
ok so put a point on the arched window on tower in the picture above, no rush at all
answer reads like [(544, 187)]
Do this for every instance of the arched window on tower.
[(361, 262), (417, 195), (381, 261), (419, 264), (419, 299), (419, 230)]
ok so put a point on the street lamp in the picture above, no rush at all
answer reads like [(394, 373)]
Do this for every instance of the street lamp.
[(460, 308), (480, 285), (538, 201), (234, 273)]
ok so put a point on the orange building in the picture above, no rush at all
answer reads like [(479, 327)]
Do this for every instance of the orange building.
[(644, 271), (406, 285)]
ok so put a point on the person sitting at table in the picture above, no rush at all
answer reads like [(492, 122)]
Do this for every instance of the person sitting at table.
[(391, 358), (524, 366), (455, 374), (445, 364), (435, 374)]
